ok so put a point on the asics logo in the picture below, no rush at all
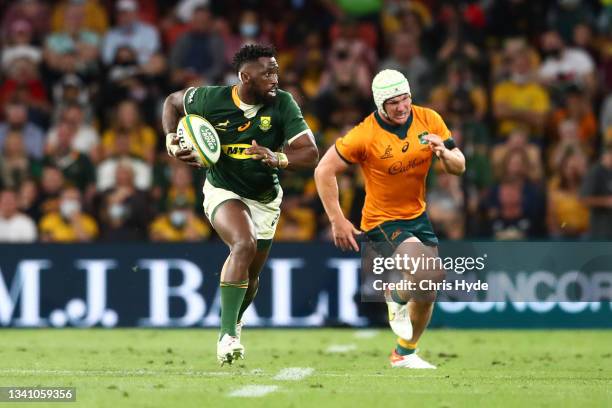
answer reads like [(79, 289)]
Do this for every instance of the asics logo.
[(244, 127)]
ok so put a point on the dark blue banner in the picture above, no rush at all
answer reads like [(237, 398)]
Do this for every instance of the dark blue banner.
[(176, 285)]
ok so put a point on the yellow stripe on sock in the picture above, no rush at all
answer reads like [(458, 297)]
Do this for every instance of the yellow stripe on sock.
[(241, 284), (406, 344)]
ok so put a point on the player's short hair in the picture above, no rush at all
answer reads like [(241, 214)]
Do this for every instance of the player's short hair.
[(252, 52)]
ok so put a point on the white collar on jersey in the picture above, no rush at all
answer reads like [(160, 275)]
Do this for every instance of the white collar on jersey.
[(249, 110)]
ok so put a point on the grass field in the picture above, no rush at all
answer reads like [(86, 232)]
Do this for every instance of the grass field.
[(322, 368)]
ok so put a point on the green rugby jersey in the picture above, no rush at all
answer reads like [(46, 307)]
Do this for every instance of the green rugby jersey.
[(272, 126)]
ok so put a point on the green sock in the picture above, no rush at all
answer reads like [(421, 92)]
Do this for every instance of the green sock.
[(405, 348), (248, 299), (397, 298), (232, 294)]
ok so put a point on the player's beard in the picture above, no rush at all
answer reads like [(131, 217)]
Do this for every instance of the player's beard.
[(264, 98)]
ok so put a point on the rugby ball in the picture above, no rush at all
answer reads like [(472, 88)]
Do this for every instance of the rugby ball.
[(197, 134)]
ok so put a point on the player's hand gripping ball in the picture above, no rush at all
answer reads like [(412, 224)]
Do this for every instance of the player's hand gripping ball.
[(198, 135)]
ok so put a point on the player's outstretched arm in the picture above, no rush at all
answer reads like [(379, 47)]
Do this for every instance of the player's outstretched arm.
[(171, 114), (327, 186)]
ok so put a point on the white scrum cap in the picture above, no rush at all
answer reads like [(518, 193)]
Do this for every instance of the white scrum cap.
[(387, 84)]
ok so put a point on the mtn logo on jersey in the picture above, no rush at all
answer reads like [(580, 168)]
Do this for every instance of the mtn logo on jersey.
[(265, 123), (236, 151)]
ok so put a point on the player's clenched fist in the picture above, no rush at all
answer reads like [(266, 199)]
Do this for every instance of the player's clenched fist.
[(435, 143)]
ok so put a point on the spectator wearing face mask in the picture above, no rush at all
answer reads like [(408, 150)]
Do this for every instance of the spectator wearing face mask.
[(563, 65), (124, 209), (183, 182), (250, 28), (179, 224), (350, 61), (69, 224)]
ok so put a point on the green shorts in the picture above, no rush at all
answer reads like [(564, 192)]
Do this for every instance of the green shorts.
[(395, 232)]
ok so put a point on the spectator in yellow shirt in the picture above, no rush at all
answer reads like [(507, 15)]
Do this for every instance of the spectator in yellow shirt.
[(179, 224), (567, 216), (93, 14), (520, 100), (69, 224), (142, 137), (297, 222)]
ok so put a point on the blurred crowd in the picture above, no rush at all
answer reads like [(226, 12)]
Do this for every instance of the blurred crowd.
[(525, 87)]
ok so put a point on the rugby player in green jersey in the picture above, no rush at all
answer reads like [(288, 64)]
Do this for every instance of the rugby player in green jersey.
[(255, 120)]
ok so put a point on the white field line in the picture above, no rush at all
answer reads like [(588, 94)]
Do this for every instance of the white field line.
[(7, 372), (112, 373), (253, 391), (293, 373), (341, 348), (366, 334), (286, 374)]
